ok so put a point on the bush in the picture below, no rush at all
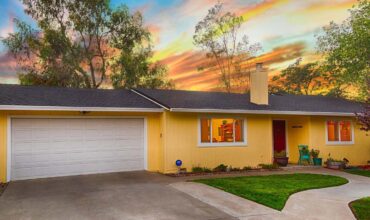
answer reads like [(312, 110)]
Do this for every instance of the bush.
[(246, 168), (220, 168), (315, 153), (269, 166), (235, 169), (280, 154), (199, 169), (206, 170)]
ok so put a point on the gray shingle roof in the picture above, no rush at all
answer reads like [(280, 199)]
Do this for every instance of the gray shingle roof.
[(70, 97), (233, 101), (175, 99)]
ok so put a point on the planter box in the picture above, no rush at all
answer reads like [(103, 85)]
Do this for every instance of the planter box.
[(317, 161), (281, 161), (335, 165)]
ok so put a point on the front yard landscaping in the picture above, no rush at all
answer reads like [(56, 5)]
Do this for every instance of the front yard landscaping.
[(361, 208), (361, 170), (273, 190)]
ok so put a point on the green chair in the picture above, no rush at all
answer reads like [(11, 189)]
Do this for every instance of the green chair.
[(304, 154)]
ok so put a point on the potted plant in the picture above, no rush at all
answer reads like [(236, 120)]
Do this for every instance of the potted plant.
[(315, 157), (334, 164), (280, 158)]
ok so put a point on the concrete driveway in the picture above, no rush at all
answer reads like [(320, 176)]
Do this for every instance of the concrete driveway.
[(129, 195)]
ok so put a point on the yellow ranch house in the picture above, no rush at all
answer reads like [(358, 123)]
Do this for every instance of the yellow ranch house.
[(49, 132)]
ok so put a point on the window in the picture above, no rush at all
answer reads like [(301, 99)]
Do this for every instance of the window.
[(222, 131), (339, 132)]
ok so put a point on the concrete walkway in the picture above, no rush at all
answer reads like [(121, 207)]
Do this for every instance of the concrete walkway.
[(326, 203)]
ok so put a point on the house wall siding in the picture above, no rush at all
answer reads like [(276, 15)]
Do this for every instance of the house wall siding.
[(181, 142), (357, 153), (154, 146)]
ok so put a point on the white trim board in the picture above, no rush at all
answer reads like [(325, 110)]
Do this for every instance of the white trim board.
[(9, 135), (262, 112), (81, 109)]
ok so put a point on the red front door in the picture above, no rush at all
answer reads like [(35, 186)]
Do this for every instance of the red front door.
[(279, 135)]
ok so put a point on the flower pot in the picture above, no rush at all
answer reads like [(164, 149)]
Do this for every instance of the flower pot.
[(335, 165), (281, 161), (317, 161)]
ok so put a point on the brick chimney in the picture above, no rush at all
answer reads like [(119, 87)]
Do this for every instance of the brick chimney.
[(259, 85)]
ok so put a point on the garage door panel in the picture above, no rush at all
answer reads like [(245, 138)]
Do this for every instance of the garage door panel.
[(59, 147)]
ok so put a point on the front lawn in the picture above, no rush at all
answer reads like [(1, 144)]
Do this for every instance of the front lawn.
[(359, 172), (273, 190), (361, 208)]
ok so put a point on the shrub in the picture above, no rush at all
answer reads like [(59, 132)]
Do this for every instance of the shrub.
[(220, 168), (280, 154), (206, 170), (269, 166), (199, 169), (315, 153), (235, 169), (246, 168)]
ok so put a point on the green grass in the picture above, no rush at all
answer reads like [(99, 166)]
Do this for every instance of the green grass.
[(361, 208), (273, 190), (360, 172)]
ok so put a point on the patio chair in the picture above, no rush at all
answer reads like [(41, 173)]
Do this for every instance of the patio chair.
[(304, 154)]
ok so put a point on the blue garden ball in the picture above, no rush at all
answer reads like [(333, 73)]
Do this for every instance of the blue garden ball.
[(178, 163)]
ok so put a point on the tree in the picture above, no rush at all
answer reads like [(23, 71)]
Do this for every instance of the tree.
[(346, 52), (217, 35), (364, 118), (135, 70), (298, 79), (76, 42)]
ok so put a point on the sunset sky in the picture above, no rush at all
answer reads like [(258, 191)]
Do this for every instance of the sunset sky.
[(285, 28)]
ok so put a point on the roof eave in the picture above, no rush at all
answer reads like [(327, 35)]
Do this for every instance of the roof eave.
[(261, 112), (81, 109)]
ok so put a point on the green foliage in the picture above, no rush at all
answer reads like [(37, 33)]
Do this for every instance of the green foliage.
[(269, 166), (273, 190), (217, 35), (246, 168), (346, 49), (235, 169), (298, 79), (76, 41), (135, 70), (198, 169), (220, 168), (361, 208), (280, 154), (315, 153), (359, 172)]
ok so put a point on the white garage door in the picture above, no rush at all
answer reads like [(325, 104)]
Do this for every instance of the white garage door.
[(45, 147)]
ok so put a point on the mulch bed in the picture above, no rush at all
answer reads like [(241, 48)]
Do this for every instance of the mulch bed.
[(219, 173), (365, 167)]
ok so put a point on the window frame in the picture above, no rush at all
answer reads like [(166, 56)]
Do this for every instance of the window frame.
[(222, 144), (339, 133)]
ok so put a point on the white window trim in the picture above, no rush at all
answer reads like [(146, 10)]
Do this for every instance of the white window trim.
[(339, 142), (222, 144)]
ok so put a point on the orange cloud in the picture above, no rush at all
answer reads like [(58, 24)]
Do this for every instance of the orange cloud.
[(255, 10), (184, 68)]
